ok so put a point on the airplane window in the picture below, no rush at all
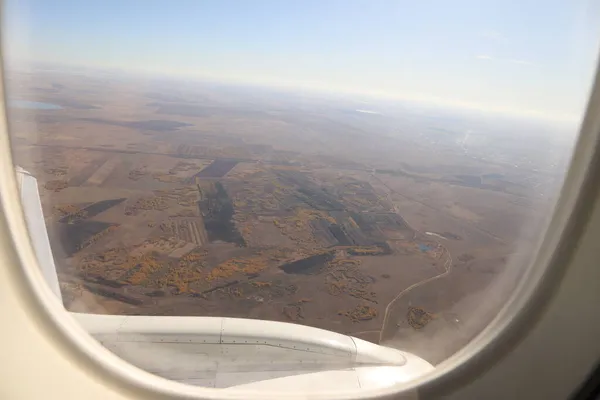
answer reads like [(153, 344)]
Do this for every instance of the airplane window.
[(381, 171)]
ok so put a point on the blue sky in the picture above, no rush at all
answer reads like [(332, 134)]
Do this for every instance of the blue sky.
[(514, 56)]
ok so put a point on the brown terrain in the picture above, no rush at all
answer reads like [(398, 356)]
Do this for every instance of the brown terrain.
[(205, 201)]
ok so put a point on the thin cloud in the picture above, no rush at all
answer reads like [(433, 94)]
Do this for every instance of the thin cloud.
[(484, 57)]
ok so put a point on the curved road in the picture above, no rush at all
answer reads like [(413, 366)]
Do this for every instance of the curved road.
[(391, 304), (447, 267)]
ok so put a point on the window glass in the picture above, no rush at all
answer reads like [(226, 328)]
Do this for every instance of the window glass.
[(383, 170)]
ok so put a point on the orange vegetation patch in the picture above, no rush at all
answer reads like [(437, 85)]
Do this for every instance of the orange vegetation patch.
[(181, 278), (192, 257), (146, 269), (143, 267), (297, 227), (97, 236), (66, 209), (344, 276), (362, 312), (226, 269), (344, 262), (166, 178), (58, 171), (187, 272), (56, 185), (417, 317), (148, 203), (260, 284)]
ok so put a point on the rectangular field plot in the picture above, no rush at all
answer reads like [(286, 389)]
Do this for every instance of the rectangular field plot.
[(217, 169)]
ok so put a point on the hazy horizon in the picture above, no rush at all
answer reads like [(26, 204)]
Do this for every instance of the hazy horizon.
[(361, 101), (507, 58)]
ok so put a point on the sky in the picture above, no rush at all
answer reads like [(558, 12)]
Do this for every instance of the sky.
[(527, 57)]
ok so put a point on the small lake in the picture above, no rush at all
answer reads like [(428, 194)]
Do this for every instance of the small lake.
[(32, 105), (424, 247)]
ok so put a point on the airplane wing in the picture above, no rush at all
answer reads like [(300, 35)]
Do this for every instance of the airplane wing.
[(233, 353)]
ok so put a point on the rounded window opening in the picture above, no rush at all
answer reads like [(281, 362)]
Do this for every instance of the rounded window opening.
[(269, 195)]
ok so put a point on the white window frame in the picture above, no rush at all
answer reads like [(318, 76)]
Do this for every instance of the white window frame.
[(525, 352)]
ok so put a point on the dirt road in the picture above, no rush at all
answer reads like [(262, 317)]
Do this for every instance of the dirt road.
[(392, 314)]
